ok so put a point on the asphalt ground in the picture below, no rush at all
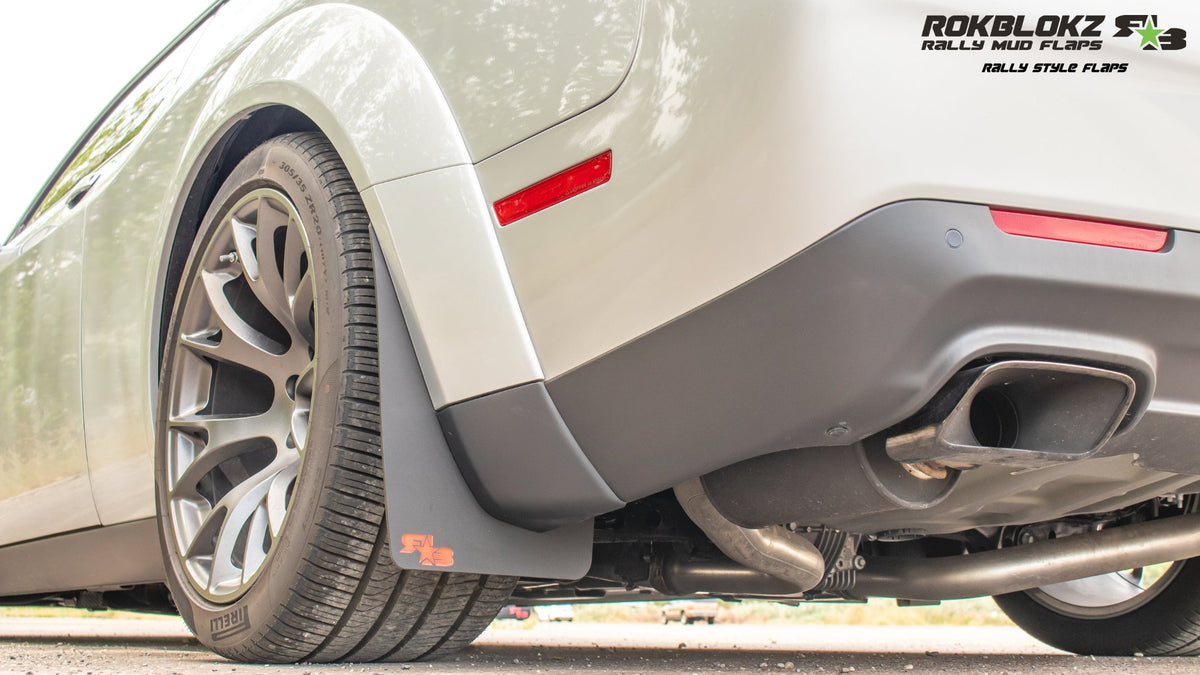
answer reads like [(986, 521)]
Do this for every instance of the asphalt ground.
[(56, 645)]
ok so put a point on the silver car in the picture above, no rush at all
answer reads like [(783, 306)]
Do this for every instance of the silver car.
[(348, 324)]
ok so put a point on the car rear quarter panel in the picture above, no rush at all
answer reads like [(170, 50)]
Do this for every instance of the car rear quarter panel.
[(511, 69), (745, 132)]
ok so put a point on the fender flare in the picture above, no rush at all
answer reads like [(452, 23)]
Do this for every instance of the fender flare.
[(382, 108), (379, 104)]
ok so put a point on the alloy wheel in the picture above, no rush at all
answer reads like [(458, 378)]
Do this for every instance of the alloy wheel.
[(241, 389), (1106, 595)]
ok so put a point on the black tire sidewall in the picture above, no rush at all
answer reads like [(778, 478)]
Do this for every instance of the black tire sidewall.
[(1148, 629), (245, 620)]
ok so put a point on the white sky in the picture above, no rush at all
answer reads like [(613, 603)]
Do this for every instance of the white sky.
[(61, 61)]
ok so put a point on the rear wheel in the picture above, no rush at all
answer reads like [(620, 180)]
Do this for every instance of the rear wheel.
[(268, 471), (1153, 612)]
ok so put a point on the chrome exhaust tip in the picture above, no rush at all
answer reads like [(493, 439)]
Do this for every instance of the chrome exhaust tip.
[(1018, 413)]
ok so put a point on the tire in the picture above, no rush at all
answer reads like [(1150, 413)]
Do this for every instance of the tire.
[(665, 619), (1163, 620), (268, 471), (712, 620)]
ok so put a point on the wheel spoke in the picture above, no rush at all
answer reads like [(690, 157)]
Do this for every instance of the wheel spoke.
[(243, 243), (234, 511), (277, 497), (222, 430), (256, 549), (302, 395), (247, 493), (294, 257), (268, 285), (224, 437), (226, 347), (225, 570), (254, 347), (302, 305)]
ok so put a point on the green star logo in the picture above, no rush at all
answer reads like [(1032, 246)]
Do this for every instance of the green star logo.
[(1150, 34)]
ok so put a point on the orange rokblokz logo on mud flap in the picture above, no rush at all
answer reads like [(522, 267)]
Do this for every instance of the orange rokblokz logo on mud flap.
[(431, 556)]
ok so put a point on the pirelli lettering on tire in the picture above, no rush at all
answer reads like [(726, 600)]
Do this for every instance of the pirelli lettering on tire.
[(230, 624)]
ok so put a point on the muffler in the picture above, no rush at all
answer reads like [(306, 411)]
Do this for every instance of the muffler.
[(1017, 413), (1034, 565), (821, 486)]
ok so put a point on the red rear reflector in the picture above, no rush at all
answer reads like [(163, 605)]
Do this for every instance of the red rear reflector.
[(1080, 231), (561, 186)]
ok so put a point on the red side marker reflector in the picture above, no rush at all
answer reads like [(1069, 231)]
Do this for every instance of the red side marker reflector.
[(1080, 231), (559, 187)]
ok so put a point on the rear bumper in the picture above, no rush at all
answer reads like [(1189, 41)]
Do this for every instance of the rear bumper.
[(857, 332)]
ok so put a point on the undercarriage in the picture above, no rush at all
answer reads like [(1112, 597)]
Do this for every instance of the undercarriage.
[(650, 550)]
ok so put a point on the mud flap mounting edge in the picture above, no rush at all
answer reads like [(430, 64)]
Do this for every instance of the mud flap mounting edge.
[(434, 520)]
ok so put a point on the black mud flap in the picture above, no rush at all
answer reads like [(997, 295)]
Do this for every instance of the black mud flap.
[(434, 521)]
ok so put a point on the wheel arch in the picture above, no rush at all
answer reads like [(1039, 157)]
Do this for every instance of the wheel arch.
[(238, 138), (396, 124)]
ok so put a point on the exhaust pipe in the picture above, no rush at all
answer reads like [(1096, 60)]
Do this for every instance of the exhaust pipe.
[(1017, 413), (678, 576), (774, 551), (1034, 565)]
